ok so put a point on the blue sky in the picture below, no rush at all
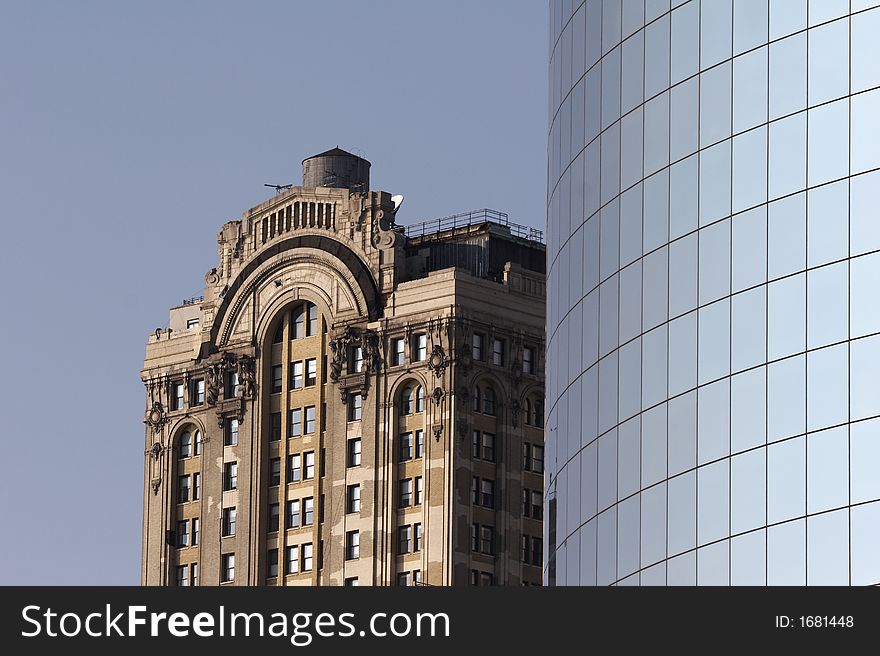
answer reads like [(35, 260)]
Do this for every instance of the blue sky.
[(130, 132)]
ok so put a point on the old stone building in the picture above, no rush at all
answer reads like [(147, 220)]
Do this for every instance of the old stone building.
[(350, 402)]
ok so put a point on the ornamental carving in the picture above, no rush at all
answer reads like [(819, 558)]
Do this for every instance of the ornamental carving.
[(437, 429), (340, 347), (246, 376), (437, 395), (156, 417), (154, 484), (514, 412), (438, 360), (155, 451)]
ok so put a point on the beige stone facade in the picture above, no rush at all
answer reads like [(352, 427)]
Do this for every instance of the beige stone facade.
[(347, 404)]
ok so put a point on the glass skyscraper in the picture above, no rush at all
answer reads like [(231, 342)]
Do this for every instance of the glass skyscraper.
[(714, 292)]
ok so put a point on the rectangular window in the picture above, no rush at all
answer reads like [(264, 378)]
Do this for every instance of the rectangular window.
[(537, 505), (230, 437), (197, 486), (232, 385), (272, 563), (182, 575), (275, 430), (177, 396), (475, 537), (323, 465), (227, 568), (183, 489), (538, 459), (489, 447), (197, 446), (420, 443), (310, 419), (352, 545), (355, 407), (498, 352), (230, 476), (276, 379), (526, 550), (274, 511), (185, 445), (321, 511), (487, 540), (192, 323), (475, 491), (296, 375), (397, 354), (299, 322), (351, 582), (295, 420), (353, 499), (183, 534), (357, 359), (311, 372), (528, 360), (404, 539), (274, 472), (417, 495), (198, 389), (291, 563), (308, 511), (526, 503), (417, 537), (312, 327), (354, 452), (406, 446), (475, 445), (294, 468), (420, 347), (477, 344), (307, 556), (403, 580), (293, 514), (537, 551), (487, 579), (194, 574), (417, 577), (195, 531), (406, 490), (487, 496), (229, 516), (308, 465)]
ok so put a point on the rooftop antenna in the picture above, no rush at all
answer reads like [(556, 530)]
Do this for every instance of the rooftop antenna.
[(278, 188)]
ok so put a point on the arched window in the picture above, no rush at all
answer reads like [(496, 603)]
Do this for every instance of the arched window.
[(489, 401), (406, 401), (312, 327), (299, 322), (477, 397), (197, 444), (186, 442), (538, 414), (527, 419), (279, 334), (420, 399)]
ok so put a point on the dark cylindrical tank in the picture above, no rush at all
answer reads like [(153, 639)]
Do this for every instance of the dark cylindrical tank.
[(337, 168)]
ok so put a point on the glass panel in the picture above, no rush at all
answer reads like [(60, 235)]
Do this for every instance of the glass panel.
[(631, 148), (865, 310), (786, 554), (590, 341), (682, 509), (787, 16), (865, 461), (682, 275), (748, 329), (828, 549), (864, 228), (714, 182), (631, 225), (588, 474), (684, 118), (749, 24), (654, 367), (865, 50), (750, 169), (607, 469), (633, 65), (713, 421), (593, 106), (747, 496), (825, 10), (610, 87), (864, 364), (610, 24), (657, 56), (588, 554), (608, 316), (788, 155), (827, 469), (828, 139), (827, 305), (654, 447), (787, 236), (656, 133), (713, 488), (827, 394), (682, 433), (629, 372), (715, 105), (628, 536), (865, 131), (714, 341), (654, 278), (748, 409), (786, 483), (865, 545), (714, 262), (682, 570), (683, 185), (786, 398), (749, 249), (594, 32), (606, 541), (653, 522), (609, 238), (715, 32), (788, 75), (786, 316), (656, 209), (712, 564), (750, 88), (748, 559), (827, 212), (682, 353), (591, 252), (632, 16), (828, 62)]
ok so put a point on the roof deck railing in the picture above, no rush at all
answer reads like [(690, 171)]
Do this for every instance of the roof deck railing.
[(474, 217)]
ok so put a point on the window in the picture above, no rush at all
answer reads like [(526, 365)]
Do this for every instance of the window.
[(526, 549), (274, 472), (227, 568), (296, 375), (230, 476), (232, 385), (183, 488), (195, 531), (477, 399), (406, 447), (489, 447), (420, 443), (406, 492), (351, 582), (477, 346), (198, 392), (420, 347), (197, 447), (489, 401), (197, 486), (275, 430), (274, 511), (352, 545), (397, 352), (418, 493), (272, 563), (310, 419), (498, 352), (194, 574), (354, 452), (417, 536), (312, 326), (278, 337), (537, 551), (192, 323), (308, 511), (487, 540), (403, 580), (177, 396), (182, 575), (538, 458), (538, 414), (355, 403), (357, 359), (294, 468), (293, 514), (183, 534), (299, 322), (276, 379), (404, 539), (417, 577), (528, 360), (487, 493), (353, 499), (475, 445), (229, 516), (291, 563), (475, 491), (230, 436), (420, 399), (527, 415), (406, 401), (186, 444), (308, 465), (537, 505), (311, 372), (296, 422)]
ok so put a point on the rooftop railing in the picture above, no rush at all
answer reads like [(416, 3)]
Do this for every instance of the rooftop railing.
[(474, 217)]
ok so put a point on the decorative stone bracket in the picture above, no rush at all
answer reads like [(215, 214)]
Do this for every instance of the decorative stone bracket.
[(156, 417)]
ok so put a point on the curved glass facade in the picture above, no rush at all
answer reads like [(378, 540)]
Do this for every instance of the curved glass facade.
[(713, 316)]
